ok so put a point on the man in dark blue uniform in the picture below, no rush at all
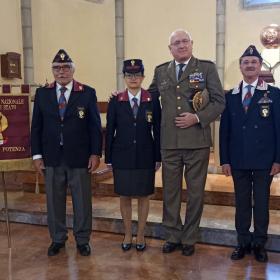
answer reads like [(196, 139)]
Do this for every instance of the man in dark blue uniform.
[(250, 152), (66, 143)]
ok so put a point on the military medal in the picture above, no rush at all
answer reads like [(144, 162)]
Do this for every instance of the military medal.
[(265, 110), (264, 105), (197, 101), (149, 116), (196, 77), (81, 112), (265, 99), (197, 98)]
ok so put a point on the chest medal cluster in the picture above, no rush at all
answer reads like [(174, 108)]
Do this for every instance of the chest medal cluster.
[(264, 105), (197, 100)]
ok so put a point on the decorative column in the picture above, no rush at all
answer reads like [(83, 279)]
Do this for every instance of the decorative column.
[(220, 37), (119, 25), (27, 41), (220, 62)]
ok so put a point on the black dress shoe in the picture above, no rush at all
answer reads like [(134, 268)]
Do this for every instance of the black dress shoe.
[(169, 247), (55, 248), (240, 251), (141, 247), (260, 253), (126, 246), (187, 250), (84, 249)]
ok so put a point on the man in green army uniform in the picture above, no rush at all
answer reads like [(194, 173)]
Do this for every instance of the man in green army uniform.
[(191, 97)]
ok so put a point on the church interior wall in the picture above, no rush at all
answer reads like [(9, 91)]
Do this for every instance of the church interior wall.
[(243, 27), (86, 31), (148, 24), (10, 32)]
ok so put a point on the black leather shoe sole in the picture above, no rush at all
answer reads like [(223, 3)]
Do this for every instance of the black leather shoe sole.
[(141, 247), (55, 248), (170, 247), (235, 256), (260, 254), (240, 252), (188, 250), (261, 258), (126, 246), (84, 249)]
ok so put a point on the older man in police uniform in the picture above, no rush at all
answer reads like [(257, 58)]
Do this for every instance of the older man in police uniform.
[(66, 143), (191, 97), (250, 152)]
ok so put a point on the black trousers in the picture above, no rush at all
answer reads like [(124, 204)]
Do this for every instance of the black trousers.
[(248, 184)]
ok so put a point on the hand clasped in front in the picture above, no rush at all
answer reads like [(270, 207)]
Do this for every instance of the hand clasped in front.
[(186, 120)]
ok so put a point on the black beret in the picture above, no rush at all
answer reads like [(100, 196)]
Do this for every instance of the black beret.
[(62, 57), (133, 66), (251, 51)]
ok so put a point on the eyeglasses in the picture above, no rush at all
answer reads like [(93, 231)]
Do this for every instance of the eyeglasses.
[(135, 75), (247, 62), (64, 68), (177, 43)]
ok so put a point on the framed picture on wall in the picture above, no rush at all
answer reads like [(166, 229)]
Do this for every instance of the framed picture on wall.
[(255, 3)]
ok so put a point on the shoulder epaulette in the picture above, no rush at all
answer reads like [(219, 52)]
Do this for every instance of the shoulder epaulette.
[(123, 96), (207, 61), (77, 86), (145, 96), (163, 64)]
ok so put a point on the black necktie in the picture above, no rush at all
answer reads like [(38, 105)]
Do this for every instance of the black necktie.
[(62, 108), (181, 66), (135, 107), (62, 102)]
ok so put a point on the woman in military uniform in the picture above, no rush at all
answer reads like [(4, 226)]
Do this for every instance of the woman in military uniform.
[(133, 148)]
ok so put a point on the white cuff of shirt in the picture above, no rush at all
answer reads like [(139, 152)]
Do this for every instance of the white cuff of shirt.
[(37, 157), (197, 118)]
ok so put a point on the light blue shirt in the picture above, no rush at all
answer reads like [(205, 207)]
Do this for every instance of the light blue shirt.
[(178, 67), (66, 93), (137, 96), (245, 89)]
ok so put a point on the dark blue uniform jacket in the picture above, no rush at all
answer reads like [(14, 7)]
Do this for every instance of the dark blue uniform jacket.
[(133, 143), (251, 140), (81, 127)]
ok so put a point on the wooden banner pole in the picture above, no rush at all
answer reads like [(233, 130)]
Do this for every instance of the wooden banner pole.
[(6, 209)]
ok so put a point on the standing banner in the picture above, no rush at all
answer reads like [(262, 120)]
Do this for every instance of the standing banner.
[(15, 153), (15, 132)]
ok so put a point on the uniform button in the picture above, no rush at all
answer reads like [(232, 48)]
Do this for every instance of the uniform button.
[(62, 125), (134, 141), (255, 126), (179, 108), (244, 127), (178, 86), (178, 97), (196, 86), (134, 124)]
